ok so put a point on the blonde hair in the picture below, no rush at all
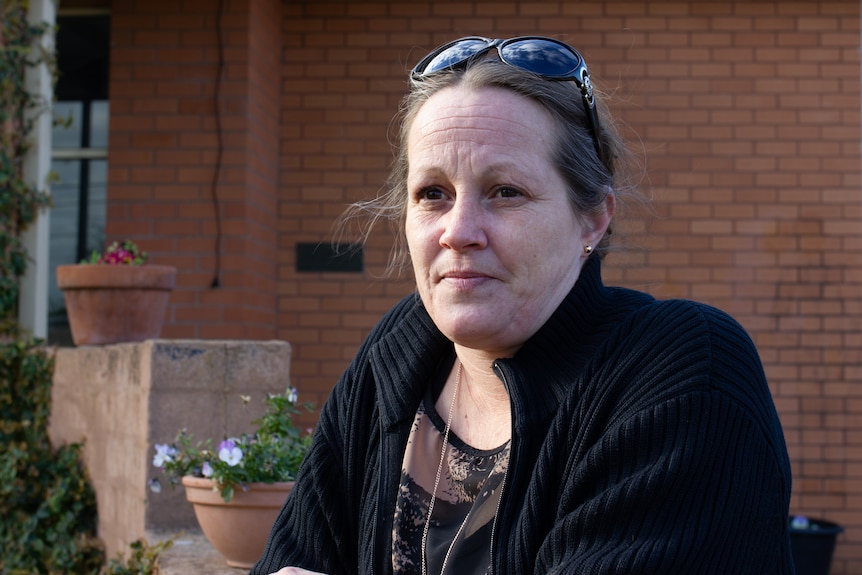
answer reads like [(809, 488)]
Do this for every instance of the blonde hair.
[(590, 178)]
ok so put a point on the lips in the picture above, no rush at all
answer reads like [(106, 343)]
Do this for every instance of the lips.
[(464, 275), (465, 280)]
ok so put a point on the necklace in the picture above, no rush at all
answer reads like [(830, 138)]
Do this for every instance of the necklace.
[(424, 550)]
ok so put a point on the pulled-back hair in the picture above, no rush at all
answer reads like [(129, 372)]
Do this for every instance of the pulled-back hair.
[(588, 177)]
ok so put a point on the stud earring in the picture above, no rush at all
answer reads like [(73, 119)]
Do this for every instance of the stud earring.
[(588, 249)]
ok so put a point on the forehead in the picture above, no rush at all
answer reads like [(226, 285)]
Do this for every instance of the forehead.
[(489, 115)]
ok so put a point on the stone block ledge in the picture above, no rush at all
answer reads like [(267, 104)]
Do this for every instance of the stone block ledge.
[(191, 553), (122, 399)]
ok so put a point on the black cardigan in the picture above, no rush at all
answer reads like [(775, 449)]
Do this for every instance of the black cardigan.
[(644, 440)]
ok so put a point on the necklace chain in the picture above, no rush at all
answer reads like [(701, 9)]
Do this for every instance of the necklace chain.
[(424, 550)]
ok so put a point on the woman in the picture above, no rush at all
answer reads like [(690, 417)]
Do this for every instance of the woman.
[(518, 416)]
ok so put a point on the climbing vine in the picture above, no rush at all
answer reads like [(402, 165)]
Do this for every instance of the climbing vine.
[(47, 505), (20, 201)]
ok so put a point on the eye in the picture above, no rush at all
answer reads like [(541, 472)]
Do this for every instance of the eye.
[(430, 195), (508, 192)]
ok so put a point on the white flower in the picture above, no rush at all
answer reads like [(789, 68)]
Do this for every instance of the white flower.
[(229, 452), (164, 454), (207, 469), (292, 394)]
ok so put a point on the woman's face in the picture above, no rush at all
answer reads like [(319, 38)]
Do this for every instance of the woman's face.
[(493, 238)]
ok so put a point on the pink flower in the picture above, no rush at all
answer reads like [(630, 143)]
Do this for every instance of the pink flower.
[(126, 253)]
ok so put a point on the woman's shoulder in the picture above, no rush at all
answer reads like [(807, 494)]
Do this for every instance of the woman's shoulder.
[(671, 338), (688, 345), (405, 335), (407, 318), (687, 318)]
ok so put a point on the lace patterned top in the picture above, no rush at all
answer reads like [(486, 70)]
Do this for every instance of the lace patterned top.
[(459, 533)]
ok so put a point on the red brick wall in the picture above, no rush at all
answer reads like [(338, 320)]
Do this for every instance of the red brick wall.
[(258, 264), (747, 117), (745, 113), (342, 83), (167, 169)]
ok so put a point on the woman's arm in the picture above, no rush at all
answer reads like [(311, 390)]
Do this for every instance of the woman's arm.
[(296, 571), (680, 464), (308, 530), (692, 485)]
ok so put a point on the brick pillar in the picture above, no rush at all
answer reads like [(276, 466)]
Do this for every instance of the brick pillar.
[(176, 84)]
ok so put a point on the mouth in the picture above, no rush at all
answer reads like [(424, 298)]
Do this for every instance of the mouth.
[(465, 279)]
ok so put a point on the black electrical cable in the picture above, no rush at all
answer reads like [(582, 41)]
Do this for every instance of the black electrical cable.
[(216, 281)]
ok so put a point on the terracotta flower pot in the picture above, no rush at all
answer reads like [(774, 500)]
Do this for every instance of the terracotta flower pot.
[(239, 529), (113, 304)]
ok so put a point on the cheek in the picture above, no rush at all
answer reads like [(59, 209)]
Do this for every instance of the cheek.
[(419, 241), (555, 236), (557, 251), (411, 234)]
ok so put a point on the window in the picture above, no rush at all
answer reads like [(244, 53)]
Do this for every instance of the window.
[(79, 154)]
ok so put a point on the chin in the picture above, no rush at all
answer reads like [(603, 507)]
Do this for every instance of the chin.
[(488, 339)]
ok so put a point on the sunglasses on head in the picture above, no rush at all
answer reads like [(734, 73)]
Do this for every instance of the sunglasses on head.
[(548, 58)]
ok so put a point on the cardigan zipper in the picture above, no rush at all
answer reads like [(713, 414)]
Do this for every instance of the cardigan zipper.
[(497, 515), (376, 557), (502, 377)]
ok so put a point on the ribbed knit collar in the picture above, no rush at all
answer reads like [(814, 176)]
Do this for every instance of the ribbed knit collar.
[(537, 377)]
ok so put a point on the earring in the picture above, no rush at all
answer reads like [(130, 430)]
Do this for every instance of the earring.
[(588, 249)]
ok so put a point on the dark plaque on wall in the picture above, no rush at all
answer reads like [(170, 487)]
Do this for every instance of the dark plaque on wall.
[(326, 257)]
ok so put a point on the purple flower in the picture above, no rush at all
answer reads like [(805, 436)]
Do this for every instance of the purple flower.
[(229, 452), (800, 522), (155, 485), (207, 469), (164, 454)]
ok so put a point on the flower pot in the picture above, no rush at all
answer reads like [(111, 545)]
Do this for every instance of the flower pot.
[(238, 529), (115, 303), (812, 546)]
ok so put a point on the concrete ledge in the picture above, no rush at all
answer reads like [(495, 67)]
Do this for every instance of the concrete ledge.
[(122, 399), (191, 553)]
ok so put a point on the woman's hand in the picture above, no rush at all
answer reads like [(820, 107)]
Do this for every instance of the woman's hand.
[(295, 571)]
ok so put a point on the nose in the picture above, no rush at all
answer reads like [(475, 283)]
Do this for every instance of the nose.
[(464, 225)]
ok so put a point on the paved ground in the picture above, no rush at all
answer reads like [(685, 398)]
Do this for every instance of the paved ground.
[(192, 554)]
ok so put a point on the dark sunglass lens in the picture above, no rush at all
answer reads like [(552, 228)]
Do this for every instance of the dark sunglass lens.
[(453, 55), (542, 57)]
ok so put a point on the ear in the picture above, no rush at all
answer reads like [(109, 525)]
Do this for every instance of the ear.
[(598, 221)]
